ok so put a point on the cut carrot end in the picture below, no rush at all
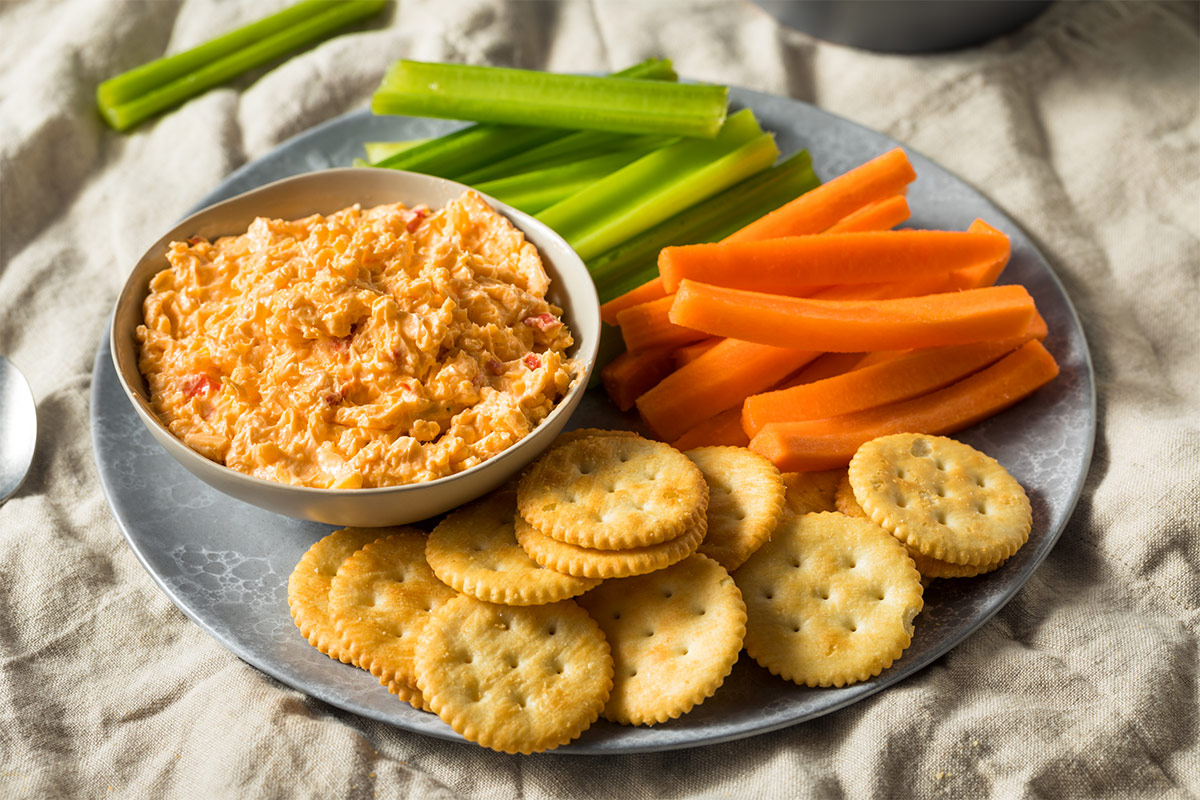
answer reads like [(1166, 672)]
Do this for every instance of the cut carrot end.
[(632, 374), (650, 290)]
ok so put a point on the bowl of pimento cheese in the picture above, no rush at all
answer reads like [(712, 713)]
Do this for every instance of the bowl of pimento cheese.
[(357, 346)]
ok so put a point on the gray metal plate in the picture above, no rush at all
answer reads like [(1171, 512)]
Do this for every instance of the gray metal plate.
[(226, 564)]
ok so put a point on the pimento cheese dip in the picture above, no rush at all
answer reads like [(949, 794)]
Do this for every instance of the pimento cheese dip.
[(372, 347)]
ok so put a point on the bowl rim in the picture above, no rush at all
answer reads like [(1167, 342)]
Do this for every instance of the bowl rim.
[(586, 350)]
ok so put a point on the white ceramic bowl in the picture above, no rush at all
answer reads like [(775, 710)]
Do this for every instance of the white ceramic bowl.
[(324, 192)]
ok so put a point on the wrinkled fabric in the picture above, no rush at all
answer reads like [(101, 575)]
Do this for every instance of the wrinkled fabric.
[(1082, 126)]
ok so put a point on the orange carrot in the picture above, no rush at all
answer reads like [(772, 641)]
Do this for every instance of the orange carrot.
[(718, 380), (878, 216), (910, 287), (825, 366), (816, 210), (827, 443), (630, 374), (983, 274), (836, 199), (845, 326), (723, 429), (647, 327), (911, 375), (794, 264), (650, 290), (690, 352)]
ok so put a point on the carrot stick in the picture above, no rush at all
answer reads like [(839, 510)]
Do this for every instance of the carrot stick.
[(647, 327), (723, 429), (881, 215), (716, 381), (650, 290), (818, 209), (910, 287), (825, 366), (794, 264), (631, 374), (983, 274), (690, 352), (846, 197), (845, 326), (911, 375), (827, 443)]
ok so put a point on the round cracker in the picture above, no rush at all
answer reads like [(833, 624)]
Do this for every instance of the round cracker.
[(808, 492), (830, 600), (612, 493), (409, 694), (475, 551), (942, 498), (381, 599), (308, 586), (515, 679), (675, 636), (585, 562), (745, 502), (587, 433), (928, 567)]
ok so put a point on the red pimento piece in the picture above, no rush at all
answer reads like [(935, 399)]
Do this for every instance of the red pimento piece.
[(199, 384), (333, 398), (194, 240), (532, 361), (544, 322), (415, 222), (496, 367)]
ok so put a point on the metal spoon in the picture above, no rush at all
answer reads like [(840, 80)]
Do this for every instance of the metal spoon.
[(18, 428)]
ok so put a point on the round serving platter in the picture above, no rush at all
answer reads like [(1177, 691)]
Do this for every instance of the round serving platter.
[(226, 564)]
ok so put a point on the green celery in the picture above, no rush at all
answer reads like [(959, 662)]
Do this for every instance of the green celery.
[(378, 151), (563, 149), (634, 262), (457, 154), (132, 97), (533, 191), (659, 185), (139, 80), (506, 96)]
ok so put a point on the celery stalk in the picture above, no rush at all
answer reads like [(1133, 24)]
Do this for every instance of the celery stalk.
[(660, 185), (634, 262), (378, 151), (129, 109), (533, 191), (139, 80), (457, 154), (562, 150), (507, 96)]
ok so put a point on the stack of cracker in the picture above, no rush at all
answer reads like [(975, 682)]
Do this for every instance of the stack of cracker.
[(621, 577)]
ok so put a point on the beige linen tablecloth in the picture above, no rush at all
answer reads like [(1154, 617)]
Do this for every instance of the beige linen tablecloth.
[(1083, 127)]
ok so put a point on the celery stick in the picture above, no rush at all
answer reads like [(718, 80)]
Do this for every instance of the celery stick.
[(469, 149), (455, 154), (512, 96), (533, 191), (378, 151), (563, 149), (591, 209), (634, 262), (124, 115), (659, 185), (139, 80)]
